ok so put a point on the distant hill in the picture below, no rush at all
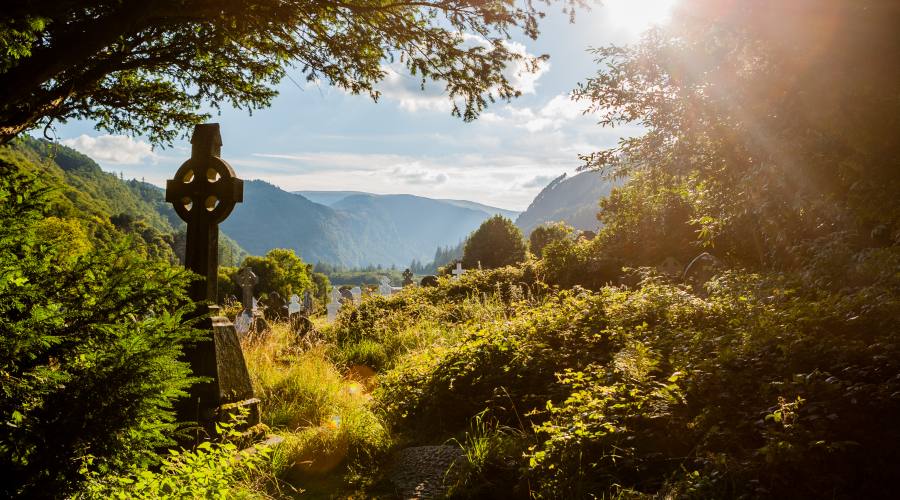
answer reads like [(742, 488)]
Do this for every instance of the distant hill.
[(330, 198), (573, 200), (85, 192), (350, 228)]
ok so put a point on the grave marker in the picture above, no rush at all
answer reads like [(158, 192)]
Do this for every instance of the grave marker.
[(203, 192), (247, 279), (458, 272), (407, 278), (308, 303), (294, 307), (385, 289), (356, 292), (335, 305)]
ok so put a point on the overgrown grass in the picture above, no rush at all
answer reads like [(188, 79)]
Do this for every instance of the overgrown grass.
[(324, 416)]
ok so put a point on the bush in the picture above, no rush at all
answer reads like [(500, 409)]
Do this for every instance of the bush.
[(496, 243), (88, 352), (548, 233)]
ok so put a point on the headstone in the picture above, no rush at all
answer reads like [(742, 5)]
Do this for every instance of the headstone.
[(334, 305), (408, 278), (356, 292), (294, 307), (385, 289), (670, 267), (276, 308), (701, 269), (243, 322), (308, 304), (247, 279), (204, 191), (346, 296), (458, 272), (429, 281)]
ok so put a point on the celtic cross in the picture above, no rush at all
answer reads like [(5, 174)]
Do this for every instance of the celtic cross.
[(204, 191)]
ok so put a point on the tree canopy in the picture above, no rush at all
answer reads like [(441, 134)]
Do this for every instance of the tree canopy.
[(769, 124), (498, 242), (152, 66)]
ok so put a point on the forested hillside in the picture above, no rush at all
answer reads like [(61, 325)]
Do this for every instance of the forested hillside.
[(355, 230), (573, 200), (87, 193)]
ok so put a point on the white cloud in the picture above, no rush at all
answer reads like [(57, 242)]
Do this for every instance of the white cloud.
[(416, 176), (409, 93), (538, 181), (117, 149)]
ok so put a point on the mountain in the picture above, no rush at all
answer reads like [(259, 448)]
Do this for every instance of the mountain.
[(83, 191), (509, 214), (573, 200), (330, 198), (350, 228)]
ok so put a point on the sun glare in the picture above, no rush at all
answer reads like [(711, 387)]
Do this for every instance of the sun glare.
[(637, 15)]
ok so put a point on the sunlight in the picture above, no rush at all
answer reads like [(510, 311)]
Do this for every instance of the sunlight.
[(637, 15)]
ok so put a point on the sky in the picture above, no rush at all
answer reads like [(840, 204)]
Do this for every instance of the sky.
[(316, 137)]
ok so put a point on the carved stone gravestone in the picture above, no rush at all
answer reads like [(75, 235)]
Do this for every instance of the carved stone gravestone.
[(247, 279), (204, 192), (308, 304), (356, 292), (407, 278), (276, 308), (458, 272), (334, 305), (701, 269), (294, 307), (385, 289)]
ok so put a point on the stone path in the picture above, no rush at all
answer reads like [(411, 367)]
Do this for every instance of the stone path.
[(422, 471)]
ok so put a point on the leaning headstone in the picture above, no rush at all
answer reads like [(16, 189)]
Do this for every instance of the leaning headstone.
[(385, 289), (356, 292), (334, 305), (670, 267), (429, 281), (294, 307), (408, 278), (458, 272), (203, 192), (243, 323)]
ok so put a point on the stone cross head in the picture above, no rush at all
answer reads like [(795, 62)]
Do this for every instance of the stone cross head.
[(205, 187)]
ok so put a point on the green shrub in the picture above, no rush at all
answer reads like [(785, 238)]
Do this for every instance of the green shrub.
[(496, 243), (89, 350), (213, 470)]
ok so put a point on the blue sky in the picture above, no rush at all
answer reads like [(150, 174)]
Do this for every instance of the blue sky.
[(316, 137)]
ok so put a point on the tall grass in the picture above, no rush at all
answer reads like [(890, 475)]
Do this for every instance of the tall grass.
[(324, 417)]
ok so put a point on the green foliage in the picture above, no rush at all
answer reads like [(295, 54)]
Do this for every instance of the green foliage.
[(279, 271), (497, 243), (567, 263), (213, 470), (548, 233), (766, 385), (91, 338), (127, 76), (791, 147)]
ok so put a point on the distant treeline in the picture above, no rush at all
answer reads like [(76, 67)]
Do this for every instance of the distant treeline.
[(343, 275)]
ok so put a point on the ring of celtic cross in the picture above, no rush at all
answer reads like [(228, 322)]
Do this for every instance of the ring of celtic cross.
[(216, 192)]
